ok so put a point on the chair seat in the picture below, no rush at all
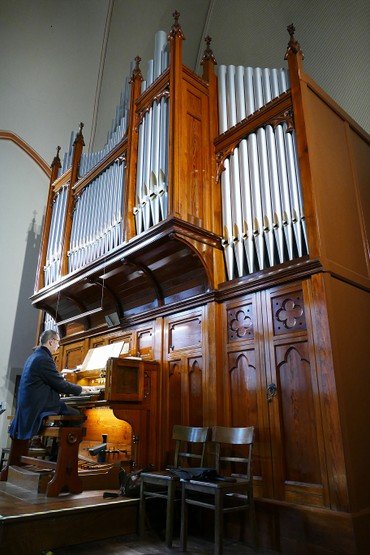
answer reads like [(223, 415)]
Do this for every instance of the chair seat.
[(222, 484), (160, 475)]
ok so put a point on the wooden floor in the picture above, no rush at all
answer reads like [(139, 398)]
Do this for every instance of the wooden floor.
[(152, 544), (32, 524)]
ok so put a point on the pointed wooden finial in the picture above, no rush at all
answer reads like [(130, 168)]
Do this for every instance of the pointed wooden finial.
[(293, 45), (79, 136), (208, 53), (56, 159), (136, 74), (176, 27)]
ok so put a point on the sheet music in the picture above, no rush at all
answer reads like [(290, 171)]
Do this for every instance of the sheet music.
[(97, 358)]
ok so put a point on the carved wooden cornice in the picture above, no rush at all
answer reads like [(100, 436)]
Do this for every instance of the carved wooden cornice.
[(146, 98), (277, 111), (119, 153), (163, 94)]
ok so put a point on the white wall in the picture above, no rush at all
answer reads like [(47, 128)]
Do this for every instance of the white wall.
[(49, 61)]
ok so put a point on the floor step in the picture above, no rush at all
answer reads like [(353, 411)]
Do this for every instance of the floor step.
[(29, 478)]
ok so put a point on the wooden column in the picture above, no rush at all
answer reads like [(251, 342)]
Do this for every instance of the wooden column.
[(213, 217), (128, 220), (176, 146), (294, 56), (40, 276), (77, 151)]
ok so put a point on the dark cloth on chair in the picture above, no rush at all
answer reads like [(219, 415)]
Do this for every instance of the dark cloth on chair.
[(39, 394)]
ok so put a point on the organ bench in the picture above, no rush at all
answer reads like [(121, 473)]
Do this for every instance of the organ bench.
[(65, 469)]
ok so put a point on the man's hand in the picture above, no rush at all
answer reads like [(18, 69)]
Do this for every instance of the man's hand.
[(90, 389)]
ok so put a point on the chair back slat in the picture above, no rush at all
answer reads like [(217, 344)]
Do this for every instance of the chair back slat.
[(233, 436), (184, 435), (223, 436)]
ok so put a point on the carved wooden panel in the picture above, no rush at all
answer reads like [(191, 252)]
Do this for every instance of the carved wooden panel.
[(185, 334), (297, 411), (243, 384), (127, 342), (288, 312), (240, 323), (145, 343), (98, 342), (195, 388), (73, 354), (194, 155)]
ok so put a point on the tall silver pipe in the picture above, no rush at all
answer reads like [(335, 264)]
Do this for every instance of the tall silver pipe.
[(265, 195), (256, 200), (246, 196), (275, 192), (227, 222), (236, 212)]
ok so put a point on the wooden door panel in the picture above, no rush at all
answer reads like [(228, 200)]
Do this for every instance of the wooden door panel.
[(184, 334), (294, 411), (298, 422), (244, 401), (245, 382)]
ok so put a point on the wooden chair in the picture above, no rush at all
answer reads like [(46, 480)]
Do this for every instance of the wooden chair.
[(163, 484), (226, 494)]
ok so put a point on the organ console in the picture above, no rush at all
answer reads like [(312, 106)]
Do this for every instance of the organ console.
[(111, 386), (224, 224)]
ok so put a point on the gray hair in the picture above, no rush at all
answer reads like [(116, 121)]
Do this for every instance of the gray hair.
[(47, 335)]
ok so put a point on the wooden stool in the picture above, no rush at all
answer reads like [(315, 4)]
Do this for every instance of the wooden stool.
[(66, 467)]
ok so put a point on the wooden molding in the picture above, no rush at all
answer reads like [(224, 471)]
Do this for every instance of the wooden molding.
[(9, 136)]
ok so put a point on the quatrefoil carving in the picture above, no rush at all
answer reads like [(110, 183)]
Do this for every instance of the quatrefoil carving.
[(242, 324), (289, 313)]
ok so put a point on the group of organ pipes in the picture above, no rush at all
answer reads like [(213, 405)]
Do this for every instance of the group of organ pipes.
[(262, 208), (263, 222), (207, 221)]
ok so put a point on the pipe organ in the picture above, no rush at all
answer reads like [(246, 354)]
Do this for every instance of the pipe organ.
[(222, 233)]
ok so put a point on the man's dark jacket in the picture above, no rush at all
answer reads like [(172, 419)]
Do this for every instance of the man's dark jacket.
[(39, 390)]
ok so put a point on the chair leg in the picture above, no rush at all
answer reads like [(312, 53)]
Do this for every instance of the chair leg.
[(169, 512), (219, 522), (142, 509), (184, 520), (253, 523)]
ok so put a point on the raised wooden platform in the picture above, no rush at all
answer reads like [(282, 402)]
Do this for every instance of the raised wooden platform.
[(31, 523)]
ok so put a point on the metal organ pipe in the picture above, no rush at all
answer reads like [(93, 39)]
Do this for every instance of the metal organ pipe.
[(261, 193), (151, 180), (97, 218), (54, 250)]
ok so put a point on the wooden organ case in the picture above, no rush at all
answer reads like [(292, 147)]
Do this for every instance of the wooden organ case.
[(223, 233)]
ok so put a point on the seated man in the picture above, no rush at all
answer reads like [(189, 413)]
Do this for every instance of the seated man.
[(39, 390)]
